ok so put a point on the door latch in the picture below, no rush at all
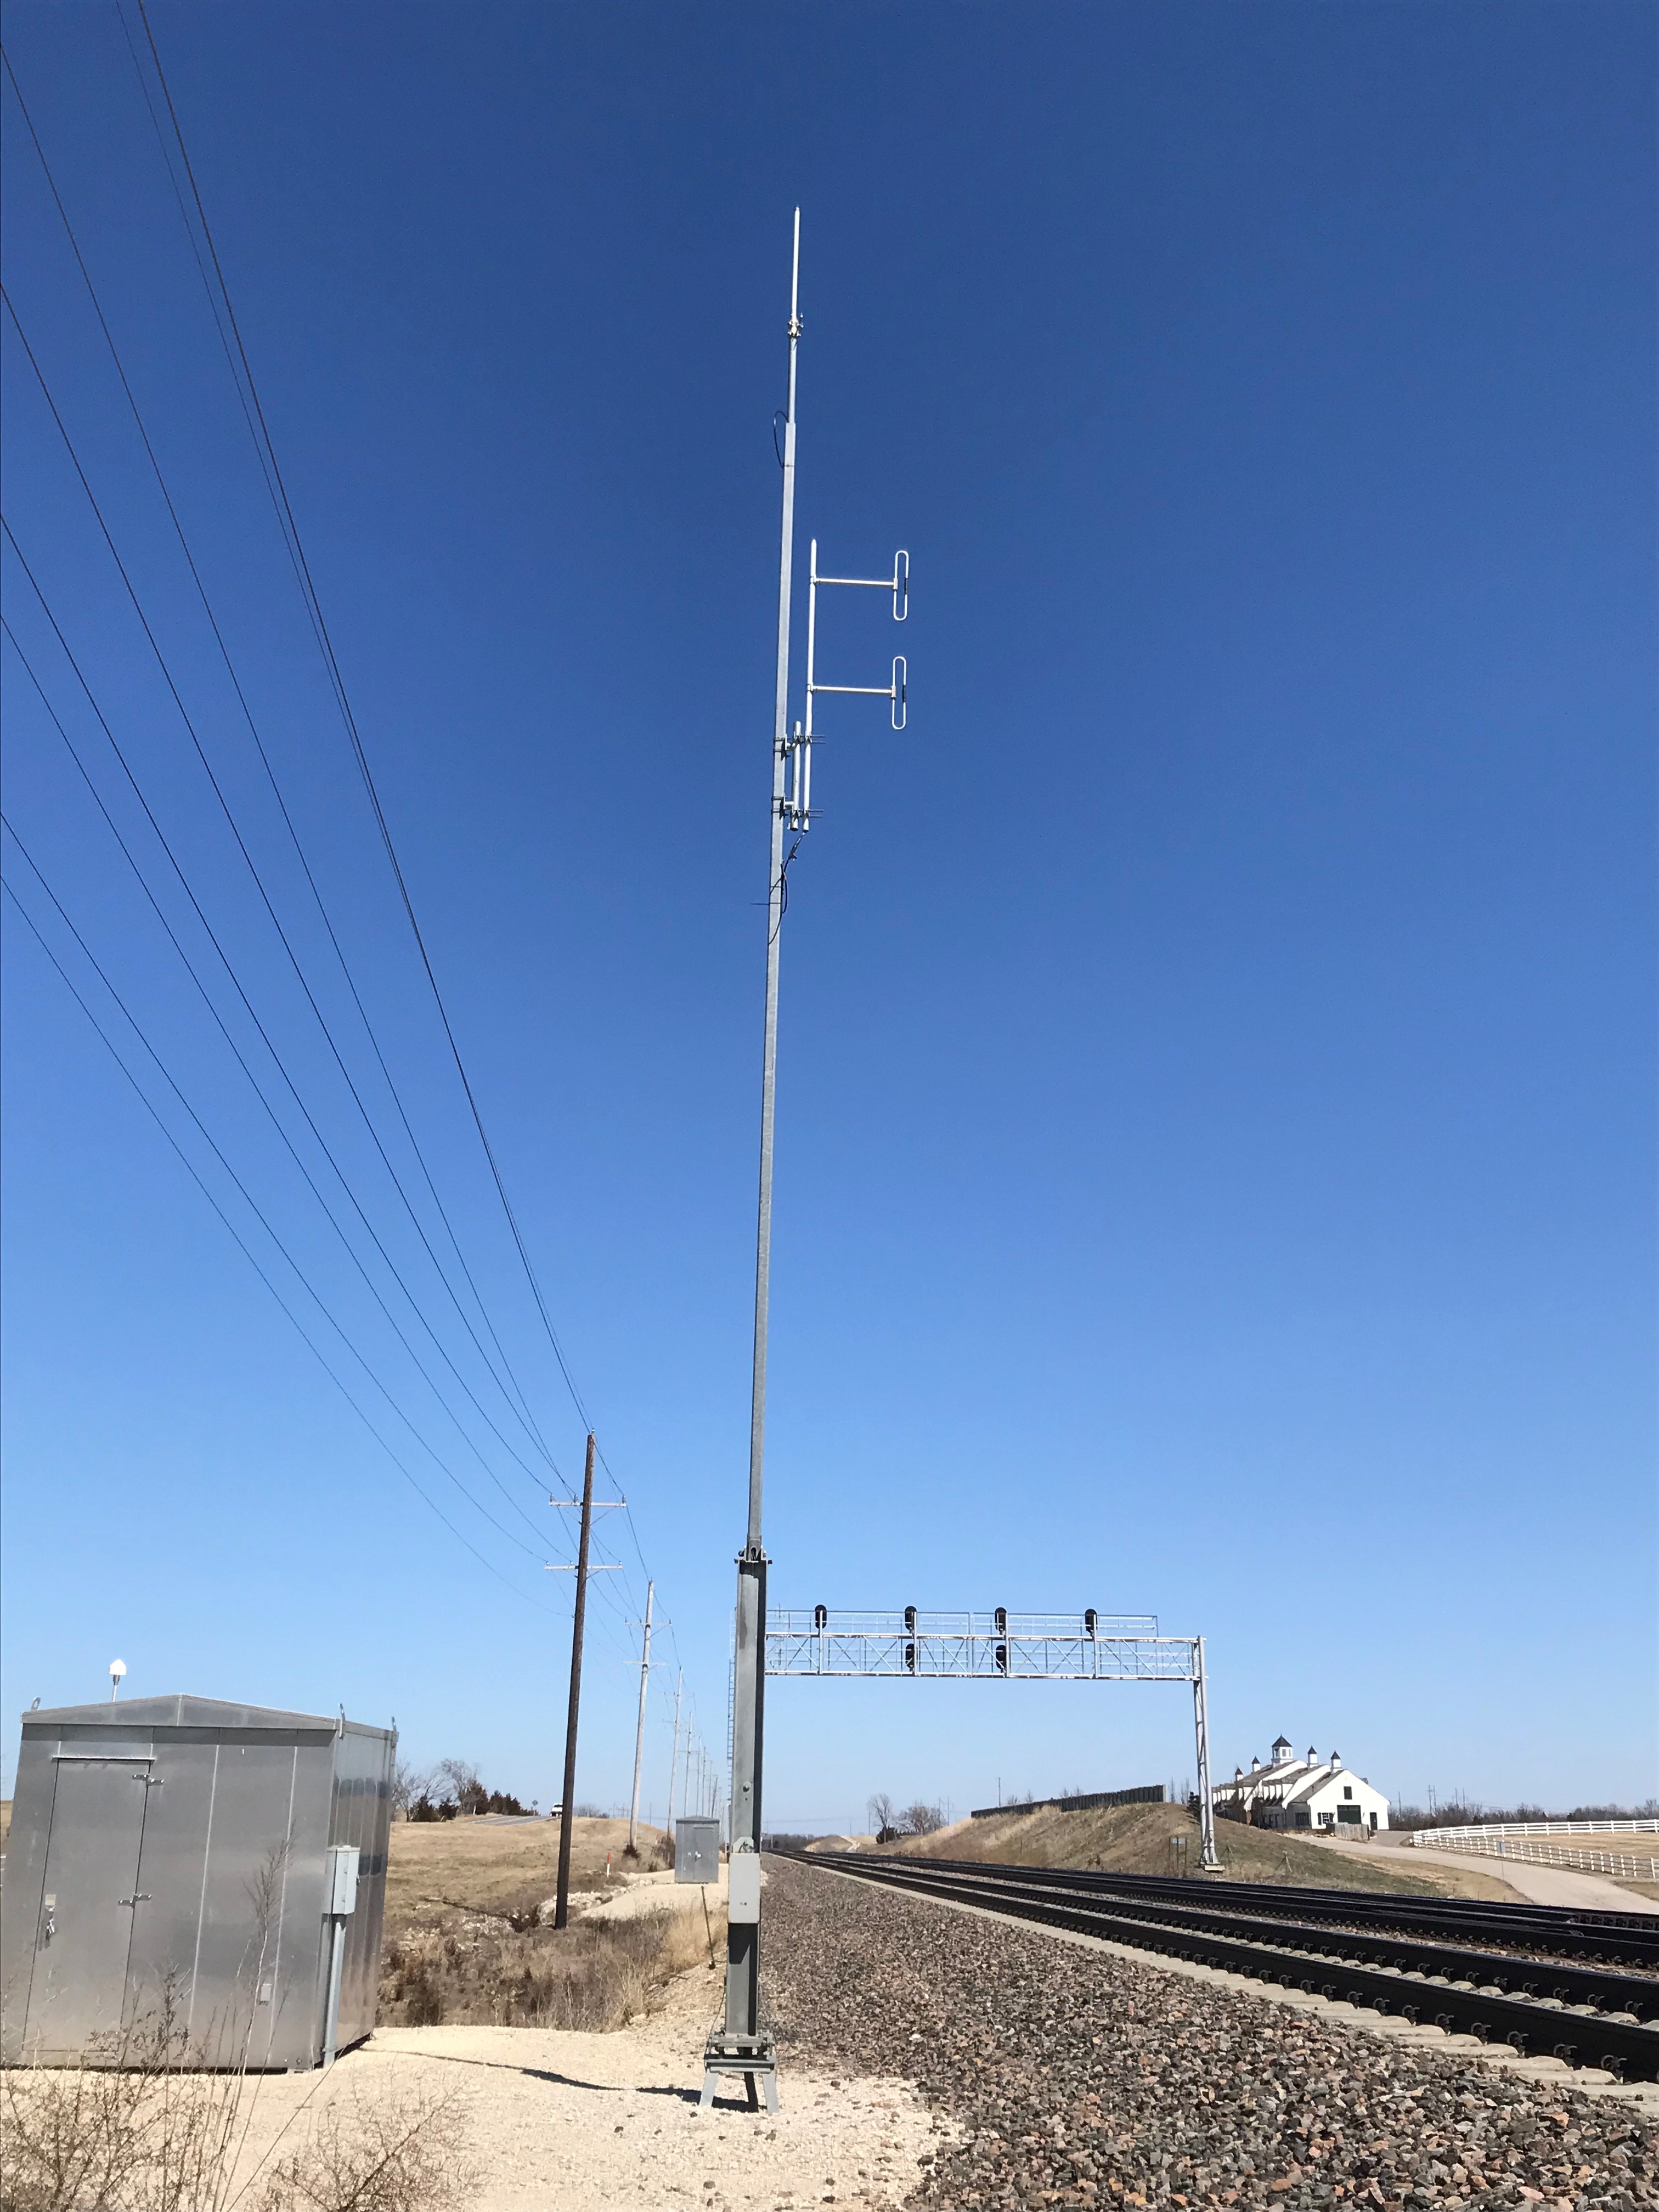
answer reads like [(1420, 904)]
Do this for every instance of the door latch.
[(139, 1897)]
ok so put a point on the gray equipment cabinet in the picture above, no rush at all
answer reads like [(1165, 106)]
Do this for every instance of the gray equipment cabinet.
[(181, 1853), (696, 1849)]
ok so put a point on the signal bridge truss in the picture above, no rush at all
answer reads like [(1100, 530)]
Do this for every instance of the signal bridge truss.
[(1000, 1646)]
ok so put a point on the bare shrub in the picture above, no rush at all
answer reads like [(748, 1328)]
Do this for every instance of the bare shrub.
[(69, 2138), (141, 2128), (920, 1819), (409, 2155), (598, 1974), (155, 2120), (1461, 1812), (152, 2117)]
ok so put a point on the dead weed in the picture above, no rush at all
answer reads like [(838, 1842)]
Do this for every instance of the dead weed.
[(598, 1974)]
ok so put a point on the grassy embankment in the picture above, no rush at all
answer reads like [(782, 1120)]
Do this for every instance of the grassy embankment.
[(1135, 1839), (469, 1934)]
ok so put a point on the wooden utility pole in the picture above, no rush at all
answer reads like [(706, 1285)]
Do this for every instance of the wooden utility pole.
[(568, 1812)]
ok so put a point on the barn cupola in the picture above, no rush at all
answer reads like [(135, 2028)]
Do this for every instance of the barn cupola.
[(1281, 1750)]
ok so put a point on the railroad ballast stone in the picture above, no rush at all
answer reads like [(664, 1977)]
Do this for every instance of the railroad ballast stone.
[(1078, 2078)]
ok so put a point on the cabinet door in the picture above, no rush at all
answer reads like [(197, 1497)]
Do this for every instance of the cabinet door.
[(85, 1930), (166, 1926)]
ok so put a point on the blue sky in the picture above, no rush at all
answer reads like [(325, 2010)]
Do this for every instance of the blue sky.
[(1215, 1114)]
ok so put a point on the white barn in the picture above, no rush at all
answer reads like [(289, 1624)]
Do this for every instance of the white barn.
[(1302, 1793)]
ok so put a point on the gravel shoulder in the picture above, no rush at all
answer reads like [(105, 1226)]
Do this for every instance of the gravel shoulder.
[(1078, 2077), (564, 2121)]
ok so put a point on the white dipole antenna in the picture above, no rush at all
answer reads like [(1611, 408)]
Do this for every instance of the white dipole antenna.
[(799, 810)]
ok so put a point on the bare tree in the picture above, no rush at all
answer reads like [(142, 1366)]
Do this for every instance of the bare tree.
[(456, 1782), (881, 1809), (922, 1819), (408, 1783)]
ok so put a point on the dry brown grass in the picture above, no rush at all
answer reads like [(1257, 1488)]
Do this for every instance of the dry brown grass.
[(440, 1867), (598, 1974), (467, 1938), (1135, 1839)]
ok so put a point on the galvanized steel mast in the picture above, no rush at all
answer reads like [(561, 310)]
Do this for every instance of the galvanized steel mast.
[(741, 2048)]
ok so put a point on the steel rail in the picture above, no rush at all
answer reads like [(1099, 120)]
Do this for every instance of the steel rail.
[(1630, 1940), (1581, 2036), (1607, 1990)]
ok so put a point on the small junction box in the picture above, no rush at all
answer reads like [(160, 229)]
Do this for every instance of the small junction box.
[(743, 1898)]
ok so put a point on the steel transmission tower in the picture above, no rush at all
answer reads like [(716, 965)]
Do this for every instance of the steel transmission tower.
[(739, 2047)]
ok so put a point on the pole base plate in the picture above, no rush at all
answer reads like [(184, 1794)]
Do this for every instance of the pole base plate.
[(754, 2057)]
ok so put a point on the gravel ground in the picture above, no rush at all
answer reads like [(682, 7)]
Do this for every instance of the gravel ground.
[(560, 2121), (1078, 2078)]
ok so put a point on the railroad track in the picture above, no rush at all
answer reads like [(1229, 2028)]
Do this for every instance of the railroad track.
[(1574, 2001), (1620, 1938)]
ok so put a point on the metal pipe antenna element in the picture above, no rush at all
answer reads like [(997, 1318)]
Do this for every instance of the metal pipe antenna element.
[(568, 1806), (639, 1726), (799, 810)]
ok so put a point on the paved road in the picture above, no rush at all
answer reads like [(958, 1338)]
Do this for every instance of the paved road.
[(1590, 1893)]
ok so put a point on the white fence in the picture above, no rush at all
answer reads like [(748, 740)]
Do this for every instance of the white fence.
[(1520, 1839), (1631, 1828)]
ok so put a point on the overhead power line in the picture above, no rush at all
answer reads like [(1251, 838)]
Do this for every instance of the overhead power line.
[(195, 1176), (266, 900), (515, 1397), (291, 528), (240, 1059), (230, 970), (219, 298), (238, 362)]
